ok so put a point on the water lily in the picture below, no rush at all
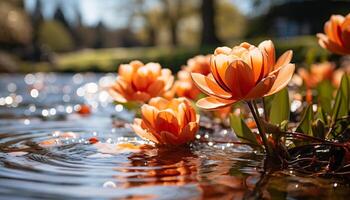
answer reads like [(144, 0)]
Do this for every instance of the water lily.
[(337, 35), (245, 72), (139, 82), (167, 122)]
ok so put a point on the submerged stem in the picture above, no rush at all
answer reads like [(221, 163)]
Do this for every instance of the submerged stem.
[(260, 127)]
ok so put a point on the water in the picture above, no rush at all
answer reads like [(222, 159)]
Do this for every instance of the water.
[(49, 151)]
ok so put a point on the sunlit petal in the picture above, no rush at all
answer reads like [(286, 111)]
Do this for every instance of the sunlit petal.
[(212, 103), (209, 87), (284, 75)]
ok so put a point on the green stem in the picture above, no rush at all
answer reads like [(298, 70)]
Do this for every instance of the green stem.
[(260, 127)]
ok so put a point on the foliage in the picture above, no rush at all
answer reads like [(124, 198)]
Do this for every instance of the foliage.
[(242, 131), (15, 25), (280, 110), (55, 36), (306, 122)]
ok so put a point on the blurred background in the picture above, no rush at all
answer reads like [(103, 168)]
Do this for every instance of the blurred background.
[(98, 35)]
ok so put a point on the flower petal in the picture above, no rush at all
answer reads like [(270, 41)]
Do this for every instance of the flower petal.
[(154, 69), (284, 59), (257, 60), (140, 96), (156, 88), (208, 86), (117, 96), (159, 102), (169, 138), (168, 78), (239, 78), (141, 78), (222, 50), (346, 34), (284, 75), (212, 103), (144, 134), (166, 121), (149, 114), (333, 28), (188, 133), (126, 71), (262, 88), (186, 114), (218, 65), (326, 43), (268, 47)]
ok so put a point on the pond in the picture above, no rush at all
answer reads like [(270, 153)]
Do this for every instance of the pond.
[(62, 137)]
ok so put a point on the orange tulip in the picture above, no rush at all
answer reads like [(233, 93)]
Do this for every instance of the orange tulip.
[(139, 82), (167, 122), (318, 72), (183, 86), (244, 72), (198, 64), (337, 37)]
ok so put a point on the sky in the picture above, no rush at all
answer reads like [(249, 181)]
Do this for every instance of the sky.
[(113, 13)]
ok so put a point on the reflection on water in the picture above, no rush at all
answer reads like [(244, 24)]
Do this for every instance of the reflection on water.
[(46, 152)]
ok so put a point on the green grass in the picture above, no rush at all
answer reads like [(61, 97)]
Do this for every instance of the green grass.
[(110, 59), (305, 49)]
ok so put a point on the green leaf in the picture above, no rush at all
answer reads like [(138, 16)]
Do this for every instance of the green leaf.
[(320, 115), (268, 104), (319, 129), (280, 107), (242, 131), (325, 93), (342, 99), (305, 125)]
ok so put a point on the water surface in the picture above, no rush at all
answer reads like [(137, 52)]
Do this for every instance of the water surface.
[(48, 150)]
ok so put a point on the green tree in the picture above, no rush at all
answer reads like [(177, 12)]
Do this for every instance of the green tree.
[(54, 35)]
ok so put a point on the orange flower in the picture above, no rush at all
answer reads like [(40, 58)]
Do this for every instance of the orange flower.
[(337, 37), (139, 82), (244, 72), (184, 87), (318, 72), (198, 64), (167, 122)]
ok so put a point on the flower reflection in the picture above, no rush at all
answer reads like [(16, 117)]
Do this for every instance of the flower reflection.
[(160, 166), (182, 166)]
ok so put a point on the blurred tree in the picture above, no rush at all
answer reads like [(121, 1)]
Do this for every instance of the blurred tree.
[(230, 22), (76, 32), (37, 16), (172, 13), (285, 18), (15, 24), (59, 16), (209, 36), (55, 36), (149, 19), (100, 30)]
